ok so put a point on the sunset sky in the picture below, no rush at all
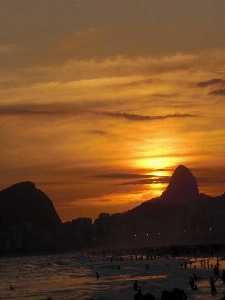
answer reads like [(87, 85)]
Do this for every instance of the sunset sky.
[(102, 99)]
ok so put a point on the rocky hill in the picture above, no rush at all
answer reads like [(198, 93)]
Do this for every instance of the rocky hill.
[(182, 187), (23, 202)]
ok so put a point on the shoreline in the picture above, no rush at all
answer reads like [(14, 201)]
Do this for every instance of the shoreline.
[(201, 250)]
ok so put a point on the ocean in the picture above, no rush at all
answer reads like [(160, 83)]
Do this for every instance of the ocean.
[(72, 276)]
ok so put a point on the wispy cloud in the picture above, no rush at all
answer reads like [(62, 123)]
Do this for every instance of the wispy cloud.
[(165, 95), (122, 176), (155, 180), (219, 92), (210, 82), (74, 110), (11, 111), (135, 117), (144, 179)]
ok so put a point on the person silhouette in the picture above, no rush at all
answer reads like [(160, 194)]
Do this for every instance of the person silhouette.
[(223, 277), (10, 287), (192, 284), (195, 277), (139, 295), (148, 296), (97, 275), (212, 283), (135, 285)]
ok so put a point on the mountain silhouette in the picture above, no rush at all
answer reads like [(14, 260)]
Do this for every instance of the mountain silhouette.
[(24, 203), (182, 188)]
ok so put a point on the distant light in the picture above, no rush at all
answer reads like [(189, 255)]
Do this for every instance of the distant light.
[(210, 228), (135, 235), (147, 233), (197, 229), (159, 232), (184, 231)]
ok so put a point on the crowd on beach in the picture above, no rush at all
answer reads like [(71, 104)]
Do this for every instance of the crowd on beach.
[(206, 262), (176, 293)]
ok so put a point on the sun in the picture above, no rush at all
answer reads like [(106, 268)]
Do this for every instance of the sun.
[(156, 164)]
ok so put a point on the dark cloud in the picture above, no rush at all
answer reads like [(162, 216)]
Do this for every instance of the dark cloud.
[(64, 109), (11, 111), (143, 179), (155, 180), (122, 176), (219, 92), (44, 109), (210, 82), (133, 117), (165, 95)]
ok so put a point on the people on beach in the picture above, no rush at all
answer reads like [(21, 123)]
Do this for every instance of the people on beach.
[(10, 287), (223, 277), (149, 296), (146, 266), (97, 275), (217, 262), (192, 284), (216, 270), (212, 284), (166, 295), (135, 285), (195, 277), (118, 267), (176, 293), (139, 295)]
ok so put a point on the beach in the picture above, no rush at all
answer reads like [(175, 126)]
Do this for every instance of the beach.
[(73, 276)]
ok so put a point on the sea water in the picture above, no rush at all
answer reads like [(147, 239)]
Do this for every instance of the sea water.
[(69, 276)]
